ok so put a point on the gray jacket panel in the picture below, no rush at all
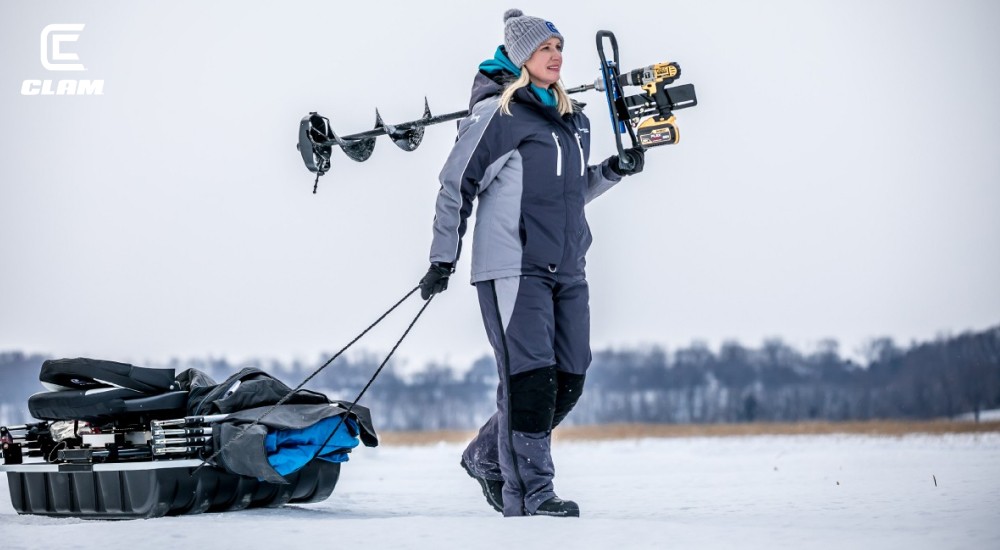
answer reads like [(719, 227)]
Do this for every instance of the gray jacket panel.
[(482, 146)]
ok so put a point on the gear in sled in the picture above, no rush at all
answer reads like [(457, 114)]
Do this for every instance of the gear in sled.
[(116, 441)]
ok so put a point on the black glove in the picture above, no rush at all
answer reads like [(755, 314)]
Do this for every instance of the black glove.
[(635, 159), (436, 279)]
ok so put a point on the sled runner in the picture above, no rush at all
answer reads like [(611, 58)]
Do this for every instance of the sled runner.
[(118, 441)]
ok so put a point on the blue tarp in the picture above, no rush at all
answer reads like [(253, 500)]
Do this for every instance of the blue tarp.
[(289, 450)]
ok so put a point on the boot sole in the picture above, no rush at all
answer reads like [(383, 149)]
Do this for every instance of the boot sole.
[(498, 506), (569, 509), (567, 514)]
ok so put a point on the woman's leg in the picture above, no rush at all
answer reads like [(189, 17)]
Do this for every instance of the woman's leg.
[(572, 344), (518, 315), (481, 461)]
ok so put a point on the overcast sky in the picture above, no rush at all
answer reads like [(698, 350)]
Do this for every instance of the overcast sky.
[(839, 179)]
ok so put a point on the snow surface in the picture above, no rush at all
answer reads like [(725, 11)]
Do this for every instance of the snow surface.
[(832, 491), (991, 415)]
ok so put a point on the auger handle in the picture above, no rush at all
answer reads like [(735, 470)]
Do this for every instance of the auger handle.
[(615, 96), (601, 35)]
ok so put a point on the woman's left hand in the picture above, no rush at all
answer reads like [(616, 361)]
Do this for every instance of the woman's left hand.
[(635, 160)]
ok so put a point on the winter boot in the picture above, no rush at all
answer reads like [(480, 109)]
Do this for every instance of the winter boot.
[(558, 507), (492, 488)]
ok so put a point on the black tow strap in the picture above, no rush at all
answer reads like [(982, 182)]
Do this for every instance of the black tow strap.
[(350, 408)]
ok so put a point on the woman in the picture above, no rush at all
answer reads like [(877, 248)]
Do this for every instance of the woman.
[(522, 151)]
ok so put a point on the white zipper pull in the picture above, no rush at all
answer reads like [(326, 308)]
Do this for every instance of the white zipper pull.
[(583, 163), (558, 154)]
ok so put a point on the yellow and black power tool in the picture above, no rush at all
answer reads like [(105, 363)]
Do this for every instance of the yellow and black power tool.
[(647, 117), (661, 127)]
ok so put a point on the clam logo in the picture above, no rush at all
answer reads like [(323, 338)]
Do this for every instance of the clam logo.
[(53, 41), (54, 59)]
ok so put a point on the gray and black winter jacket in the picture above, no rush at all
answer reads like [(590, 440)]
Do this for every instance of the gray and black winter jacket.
[(530, 174)]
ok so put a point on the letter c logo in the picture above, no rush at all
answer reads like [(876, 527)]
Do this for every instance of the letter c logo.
[(55, 59)]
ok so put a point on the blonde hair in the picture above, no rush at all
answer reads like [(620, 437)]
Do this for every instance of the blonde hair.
[(563, 103)]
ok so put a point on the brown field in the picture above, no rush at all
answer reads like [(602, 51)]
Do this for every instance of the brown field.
[(632, 431)]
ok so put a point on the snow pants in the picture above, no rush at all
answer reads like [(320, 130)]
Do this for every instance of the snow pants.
[(540, 332)]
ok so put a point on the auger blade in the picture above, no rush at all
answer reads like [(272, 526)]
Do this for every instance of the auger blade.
[(410, 139), (407, 140), (381, 125), (359, 150), (415, 135), (356, 149)]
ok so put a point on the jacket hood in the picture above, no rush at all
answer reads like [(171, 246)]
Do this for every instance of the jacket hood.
[(499, 63), (484, 86), (493, 76)]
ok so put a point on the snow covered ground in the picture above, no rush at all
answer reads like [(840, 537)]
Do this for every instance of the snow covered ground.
[(831, 491), (991, 415)]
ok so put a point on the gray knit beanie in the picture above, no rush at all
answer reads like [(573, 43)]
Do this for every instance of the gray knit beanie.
[(522, 34)]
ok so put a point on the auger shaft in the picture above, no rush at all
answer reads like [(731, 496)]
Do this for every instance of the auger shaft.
[(413, 124), (317, 139)]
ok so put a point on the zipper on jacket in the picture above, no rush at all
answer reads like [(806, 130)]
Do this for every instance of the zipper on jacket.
[(579, 144), (558, 154)]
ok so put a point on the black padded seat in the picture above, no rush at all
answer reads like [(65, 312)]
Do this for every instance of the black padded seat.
[(82, 373), (105, 404)]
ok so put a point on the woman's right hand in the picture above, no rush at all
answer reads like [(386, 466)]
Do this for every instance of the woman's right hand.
[(436, 279)]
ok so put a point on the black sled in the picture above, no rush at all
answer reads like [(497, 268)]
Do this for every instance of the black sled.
[(117, 441)]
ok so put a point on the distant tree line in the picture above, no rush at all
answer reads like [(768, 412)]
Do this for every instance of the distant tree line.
[(939, 379)]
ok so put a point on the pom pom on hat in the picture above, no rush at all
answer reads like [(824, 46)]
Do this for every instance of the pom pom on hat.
[(512, 13)]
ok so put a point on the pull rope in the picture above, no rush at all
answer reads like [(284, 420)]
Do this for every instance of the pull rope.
[(287, 396), (370, 381)]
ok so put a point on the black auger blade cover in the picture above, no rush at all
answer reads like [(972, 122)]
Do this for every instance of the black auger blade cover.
[(647, 117), (317, 138), (314, 138)]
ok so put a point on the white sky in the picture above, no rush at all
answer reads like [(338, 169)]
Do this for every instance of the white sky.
[(840, 178)]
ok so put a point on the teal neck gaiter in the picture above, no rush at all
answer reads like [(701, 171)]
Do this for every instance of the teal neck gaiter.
[(501, 62)]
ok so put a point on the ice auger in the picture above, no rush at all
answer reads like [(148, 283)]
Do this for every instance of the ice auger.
[(647, 117)]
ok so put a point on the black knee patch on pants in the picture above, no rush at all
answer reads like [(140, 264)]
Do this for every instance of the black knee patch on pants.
[(533, 400), (568, 392)]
